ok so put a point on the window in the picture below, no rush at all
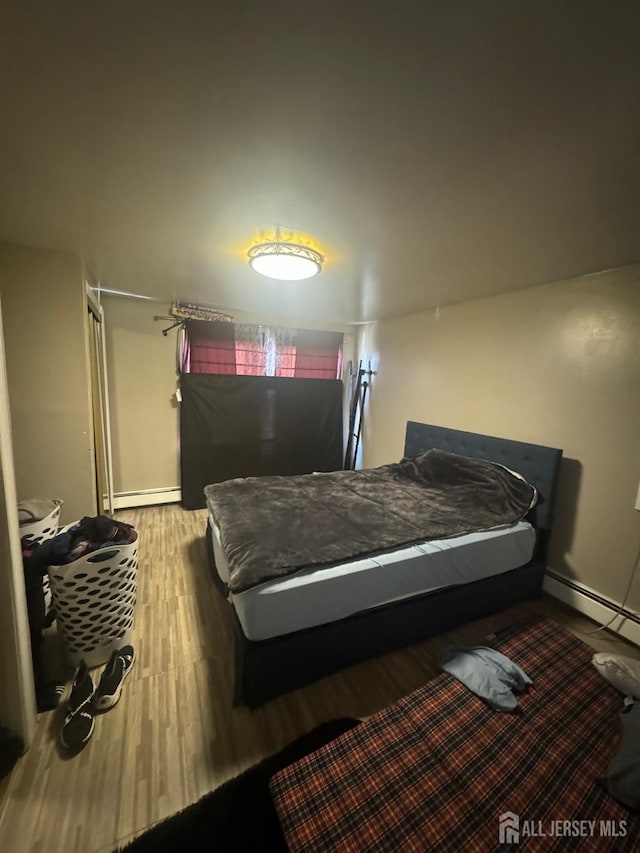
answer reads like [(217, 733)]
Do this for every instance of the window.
[(206, 352), (318, 354), (247, 350)]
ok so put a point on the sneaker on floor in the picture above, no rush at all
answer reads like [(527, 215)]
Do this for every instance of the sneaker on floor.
[(48, 696), (112, 678), (78, 723)]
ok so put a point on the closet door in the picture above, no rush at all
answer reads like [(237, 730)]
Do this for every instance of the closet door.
[(100, 403)]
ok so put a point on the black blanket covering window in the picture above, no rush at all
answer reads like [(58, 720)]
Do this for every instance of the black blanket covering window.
[(249, 426)]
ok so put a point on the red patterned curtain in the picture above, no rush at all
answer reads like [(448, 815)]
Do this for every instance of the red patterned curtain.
[(250, 351), (286, 360), (318, 354), (211, 347)]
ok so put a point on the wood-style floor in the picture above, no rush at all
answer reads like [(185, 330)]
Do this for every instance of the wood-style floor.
[(174, 735)]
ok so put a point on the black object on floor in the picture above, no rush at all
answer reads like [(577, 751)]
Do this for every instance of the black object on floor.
[(48, 696), (239, 816), (222, 432), (79, 722), (11, 748), (34, 572), (111, 681)]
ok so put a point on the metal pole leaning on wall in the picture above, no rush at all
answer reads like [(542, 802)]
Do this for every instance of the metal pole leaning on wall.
[(354, 389), (365, 385), (359, 387)]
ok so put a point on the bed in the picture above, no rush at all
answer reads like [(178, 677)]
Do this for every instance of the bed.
[(291, 631), (441, 770)]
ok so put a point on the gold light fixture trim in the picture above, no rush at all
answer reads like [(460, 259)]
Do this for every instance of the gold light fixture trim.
[(285, 260)]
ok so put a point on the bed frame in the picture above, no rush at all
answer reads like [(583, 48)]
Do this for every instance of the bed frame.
[(269, 668)]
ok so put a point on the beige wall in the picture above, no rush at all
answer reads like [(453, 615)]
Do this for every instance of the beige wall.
[(17, 699), (44, 312), (142, 382), (556, 365), (141, 365)]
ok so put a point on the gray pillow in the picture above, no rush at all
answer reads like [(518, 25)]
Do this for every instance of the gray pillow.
[(622, 672), (622, 779)]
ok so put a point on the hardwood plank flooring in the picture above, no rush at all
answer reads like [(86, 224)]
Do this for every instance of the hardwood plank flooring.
[(174, 735)]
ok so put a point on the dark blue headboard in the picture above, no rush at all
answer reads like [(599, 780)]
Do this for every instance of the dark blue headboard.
[(538, 464)]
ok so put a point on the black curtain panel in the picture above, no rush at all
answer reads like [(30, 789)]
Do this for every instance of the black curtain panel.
[(249, 426)]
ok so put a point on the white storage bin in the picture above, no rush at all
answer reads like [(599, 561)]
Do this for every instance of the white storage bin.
[(95, 599), (40, 531)]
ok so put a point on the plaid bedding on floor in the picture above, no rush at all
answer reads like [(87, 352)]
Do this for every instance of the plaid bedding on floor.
[(438, 769)]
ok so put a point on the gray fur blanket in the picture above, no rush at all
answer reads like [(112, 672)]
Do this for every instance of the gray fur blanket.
[(273, 526)]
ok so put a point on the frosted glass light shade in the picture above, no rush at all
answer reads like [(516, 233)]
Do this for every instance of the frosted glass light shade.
[(285, 261)]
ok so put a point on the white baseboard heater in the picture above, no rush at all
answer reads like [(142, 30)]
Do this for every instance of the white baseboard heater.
[(146, 497), (594, 605)]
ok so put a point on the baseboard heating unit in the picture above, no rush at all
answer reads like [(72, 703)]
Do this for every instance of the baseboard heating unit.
[(146, 497), (594, 605)]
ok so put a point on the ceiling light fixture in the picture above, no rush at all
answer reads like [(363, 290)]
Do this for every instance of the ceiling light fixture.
[(284, 260)]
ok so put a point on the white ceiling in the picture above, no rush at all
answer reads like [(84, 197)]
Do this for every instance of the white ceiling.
[(437, 151)]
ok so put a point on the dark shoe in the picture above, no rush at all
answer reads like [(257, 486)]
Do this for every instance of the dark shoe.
[(48, 696), (114, 674), (11, 748), (78, 724)]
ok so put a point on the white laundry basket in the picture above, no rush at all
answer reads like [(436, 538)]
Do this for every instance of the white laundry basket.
[(95, 600), (45, 528), (39, 532)]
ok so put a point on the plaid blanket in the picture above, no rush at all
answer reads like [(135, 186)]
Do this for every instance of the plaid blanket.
[(440, 770)]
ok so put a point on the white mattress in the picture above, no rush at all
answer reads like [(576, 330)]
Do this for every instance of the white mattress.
[(317, 596)]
